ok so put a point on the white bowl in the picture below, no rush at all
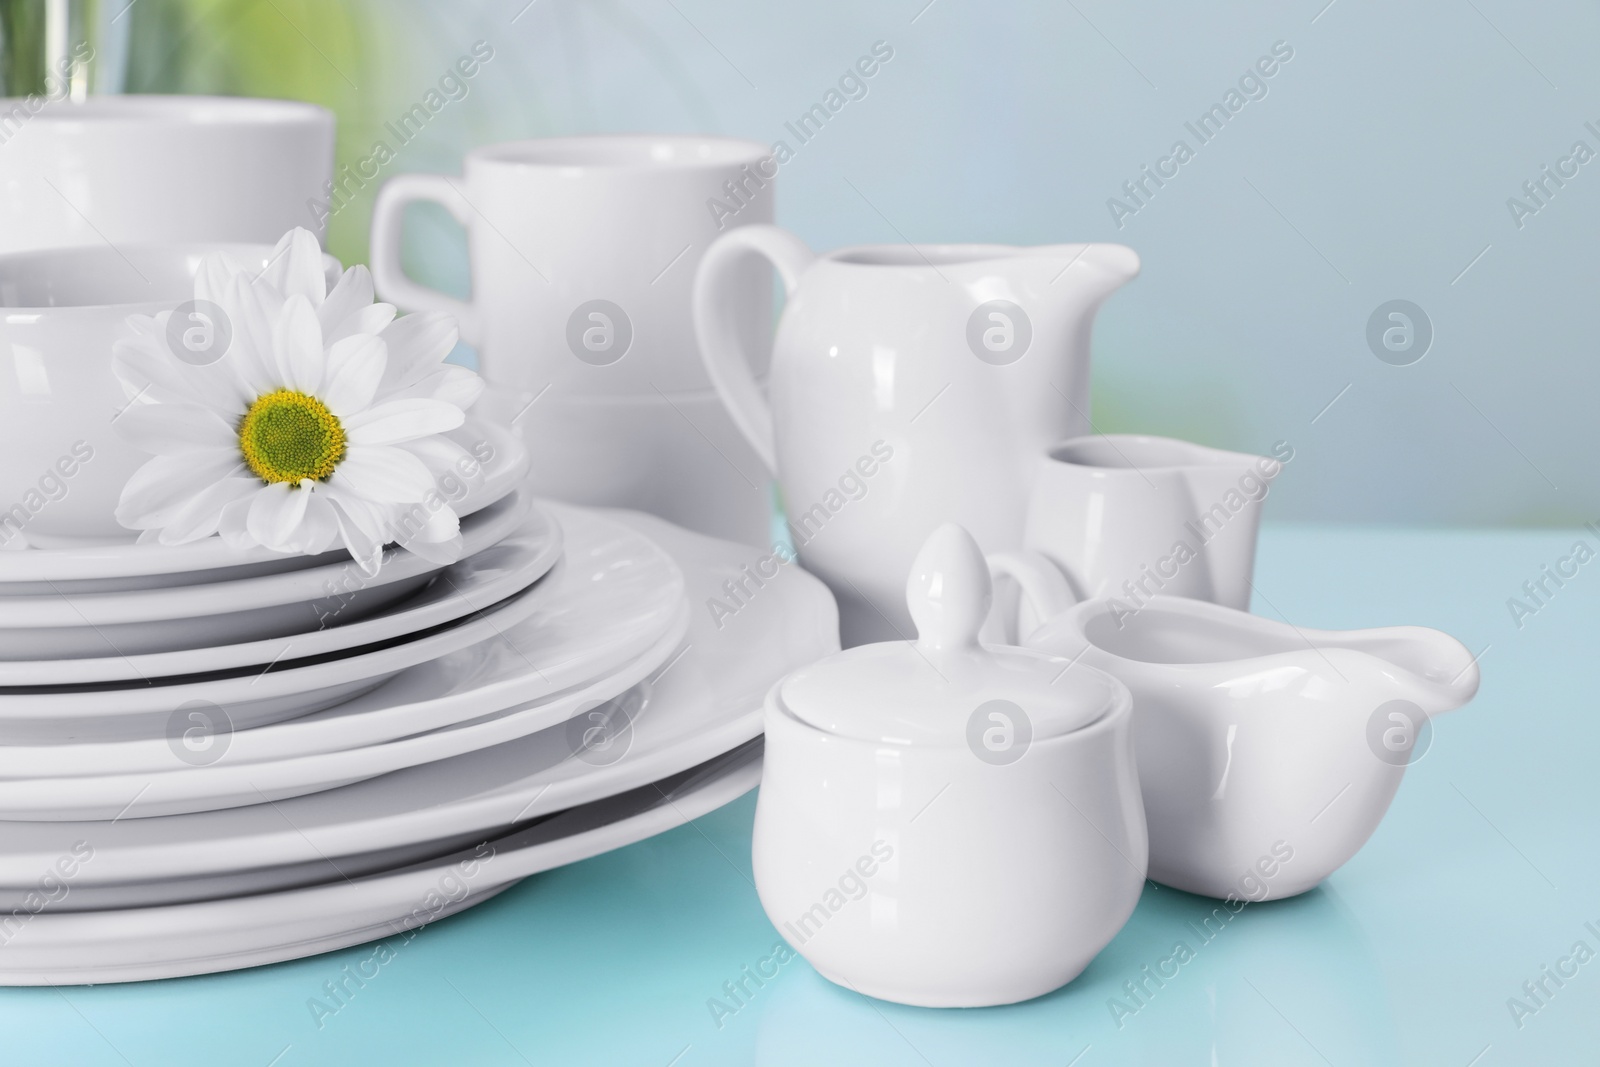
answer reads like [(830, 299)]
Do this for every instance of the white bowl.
[(61, 310)]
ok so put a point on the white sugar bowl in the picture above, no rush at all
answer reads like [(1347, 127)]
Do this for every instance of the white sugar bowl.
[(947, 824)]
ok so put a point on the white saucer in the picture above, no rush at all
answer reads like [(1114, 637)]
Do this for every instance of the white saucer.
[(492, 574), (96, 713), (177, 618), (123, 565), (590, 621), (136, 944), (704, 702)]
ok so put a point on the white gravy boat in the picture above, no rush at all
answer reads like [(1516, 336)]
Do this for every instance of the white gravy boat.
[(1267, 753)]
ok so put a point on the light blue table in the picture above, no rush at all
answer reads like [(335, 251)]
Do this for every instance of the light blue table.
[(1485, 871)]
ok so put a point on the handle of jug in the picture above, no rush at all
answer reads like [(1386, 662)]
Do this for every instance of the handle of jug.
[(714, 324), (1045, 594)]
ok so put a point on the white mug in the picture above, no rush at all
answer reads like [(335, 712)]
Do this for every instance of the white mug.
[(583, 253), (144, 170), (1130, 516)]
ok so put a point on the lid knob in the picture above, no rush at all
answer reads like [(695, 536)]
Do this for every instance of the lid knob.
[(949, 590)]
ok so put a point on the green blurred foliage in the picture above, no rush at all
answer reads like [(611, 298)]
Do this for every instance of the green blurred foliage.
[(341, 54)]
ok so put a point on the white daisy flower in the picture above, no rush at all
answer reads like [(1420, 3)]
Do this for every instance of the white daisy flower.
[(320, 423)]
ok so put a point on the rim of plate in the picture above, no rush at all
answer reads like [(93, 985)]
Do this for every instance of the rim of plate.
[(118, 674)]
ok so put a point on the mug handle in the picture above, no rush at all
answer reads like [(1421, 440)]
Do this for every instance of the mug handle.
[(1045, 593), (388, 221), (726, 364)]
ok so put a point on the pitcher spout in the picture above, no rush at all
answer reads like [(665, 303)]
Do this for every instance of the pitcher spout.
[(1438, 671), (1095, 270)]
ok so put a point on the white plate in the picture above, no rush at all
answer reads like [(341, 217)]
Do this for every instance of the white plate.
[(236, 700), (195, 785), (123, 565), (176, 618), (706, 701), (487, 577), (581, 631), (137, 944)]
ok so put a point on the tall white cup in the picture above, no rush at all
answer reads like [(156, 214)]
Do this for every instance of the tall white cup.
[(146, 170), (583, 254)]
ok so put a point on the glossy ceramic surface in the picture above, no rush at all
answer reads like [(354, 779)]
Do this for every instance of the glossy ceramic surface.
[(1129, 516), (581, 284), (297, 602), (234, 700), (580, 296), (649, 452), (134, 170), (704, 700), (910, 386), (1268, 753), (116, 564), (491, 575), (588, 624), (136, 944), (947, 824)]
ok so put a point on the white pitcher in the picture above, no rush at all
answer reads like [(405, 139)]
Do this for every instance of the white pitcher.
[(911, 385)]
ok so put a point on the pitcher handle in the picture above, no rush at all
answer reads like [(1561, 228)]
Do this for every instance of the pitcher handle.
[(389, 277), (714, 324), (1045, 592)]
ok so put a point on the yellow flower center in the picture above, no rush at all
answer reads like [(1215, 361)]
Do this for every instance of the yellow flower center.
[(287, 436)]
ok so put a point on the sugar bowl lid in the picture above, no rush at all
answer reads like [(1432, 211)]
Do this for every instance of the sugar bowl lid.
[(945, 688)]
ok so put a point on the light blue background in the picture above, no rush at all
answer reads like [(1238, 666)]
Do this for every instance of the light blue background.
[(1377, 167)]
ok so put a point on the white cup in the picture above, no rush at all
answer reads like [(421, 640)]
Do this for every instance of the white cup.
[(1131, 516), (583, 253), (141, 170), (61, 310), (583, 256)]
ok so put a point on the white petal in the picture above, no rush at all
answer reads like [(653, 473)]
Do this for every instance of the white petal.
[(450, 383), (297, 343), (417, 344), (167, 483), (296, 267), (148, 370), (320, 528), (359, 527), (443, 552), (250, 357), (382, 475), (275, 514), (235, 515), (355, 367), (203, 514), (217, 271), (402, 420), (373, 319), (441, 454), (170, 429), (341, 312)]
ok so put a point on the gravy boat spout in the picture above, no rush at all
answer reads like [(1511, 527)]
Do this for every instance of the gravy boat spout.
[(1267, 753)]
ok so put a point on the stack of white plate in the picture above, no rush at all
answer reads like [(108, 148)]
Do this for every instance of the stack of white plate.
[(211, 760)]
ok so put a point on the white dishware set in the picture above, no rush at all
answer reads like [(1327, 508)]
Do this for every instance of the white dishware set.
[(995, 814), (219, 750)]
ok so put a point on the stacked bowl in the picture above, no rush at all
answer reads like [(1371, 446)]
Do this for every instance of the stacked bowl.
[(213, 756)]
